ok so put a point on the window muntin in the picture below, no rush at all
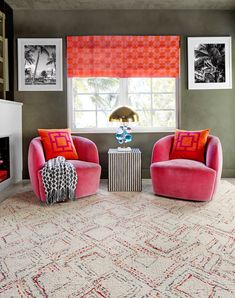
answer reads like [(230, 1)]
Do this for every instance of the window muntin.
[(92, 100)]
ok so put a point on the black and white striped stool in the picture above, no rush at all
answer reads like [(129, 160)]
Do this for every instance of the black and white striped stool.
[(124, 168)]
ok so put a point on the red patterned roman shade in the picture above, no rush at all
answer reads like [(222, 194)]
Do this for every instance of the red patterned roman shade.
[(123, 56)]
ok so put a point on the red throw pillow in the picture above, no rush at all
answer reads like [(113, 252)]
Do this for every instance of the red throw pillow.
[(189, 144), (58, 142)]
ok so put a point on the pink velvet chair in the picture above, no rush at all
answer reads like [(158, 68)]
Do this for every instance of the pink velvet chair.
[(87, 167), (184, 178)]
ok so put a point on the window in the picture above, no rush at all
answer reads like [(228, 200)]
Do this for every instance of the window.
[(92, 99)]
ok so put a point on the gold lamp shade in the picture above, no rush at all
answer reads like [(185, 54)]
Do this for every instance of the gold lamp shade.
[(123, 114)]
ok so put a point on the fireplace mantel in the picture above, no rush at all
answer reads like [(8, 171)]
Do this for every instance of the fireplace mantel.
[(11, 125), (9, 102)]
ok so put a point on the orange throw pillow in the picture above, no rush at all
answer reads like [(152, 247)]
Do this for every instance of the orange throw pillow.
[(58, 142), (189, 144)]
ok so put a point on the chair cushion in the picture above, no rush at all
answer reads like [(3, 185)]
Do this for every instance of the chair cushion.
[(189, 145), (182, 178), (58, 142), (88, 179)]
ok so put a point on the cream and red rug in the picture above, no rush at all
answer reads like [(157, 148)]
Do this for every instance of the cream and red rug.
[(118, 245)]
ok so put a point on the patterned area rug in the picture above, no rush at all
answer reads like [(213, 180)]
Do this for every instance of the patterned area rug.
[(118, 245)]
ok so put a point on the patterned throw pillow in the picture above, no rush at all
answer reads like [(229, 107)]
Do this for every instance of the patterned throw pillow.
[(189, 144), (58, 142)]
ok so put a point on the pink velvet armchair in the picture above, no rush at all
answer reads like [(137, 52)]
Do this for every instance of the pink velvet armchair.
[(184, 178), (87, 167)]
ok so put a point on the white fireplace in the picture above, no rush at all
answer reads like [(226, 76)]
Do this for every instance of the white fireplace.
[(11, 126)]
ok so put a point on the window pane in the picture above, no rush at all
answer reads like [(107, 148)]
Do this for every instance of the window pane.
[(80, 86), (102, 119), (84, 119), (93, 101), (145, 118), (106, 101), (103, 85), (84, 102), (138, 85), (163, 85), (140, 101), (153, 98), (164, 119), (96, 85), (164, 101)]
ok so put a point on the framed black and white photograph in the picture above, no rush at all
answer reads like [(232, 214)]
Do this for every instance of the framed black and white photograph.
[(209, 63), (40, 64)]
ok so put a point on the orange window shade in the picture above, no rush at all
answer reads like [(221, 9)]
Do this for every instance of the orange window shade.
[(123, 56)]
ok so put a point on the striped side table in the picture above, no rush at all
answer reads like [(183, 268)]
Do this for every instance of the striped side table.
[(124, 169)]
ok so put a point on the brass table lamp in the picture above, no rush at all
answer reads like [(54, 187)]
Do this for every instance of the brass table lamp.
[(124, 115)]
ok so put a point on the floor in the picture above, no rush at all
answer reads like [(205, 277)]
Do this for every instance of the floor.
[(115, 245), (19, 187)]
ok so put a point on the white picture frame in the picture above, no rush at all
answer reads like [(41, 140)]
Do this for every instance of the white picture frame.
[(209, 63), (40, 65)]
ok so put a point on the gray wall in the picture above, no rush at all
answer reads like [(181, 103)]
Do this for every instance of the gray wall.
[(199, 109)]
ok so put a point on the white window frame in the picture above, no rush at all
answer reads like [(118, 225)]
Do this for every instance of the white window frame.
[(123, 96)]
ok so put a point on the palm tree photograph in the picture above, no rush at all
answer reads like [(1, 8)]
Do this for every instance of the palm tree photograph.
[(209, 63), (40, 64)]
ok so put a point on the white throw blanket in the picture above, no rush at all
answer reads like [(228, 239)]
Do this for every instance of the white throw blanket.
[(59, 180)]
